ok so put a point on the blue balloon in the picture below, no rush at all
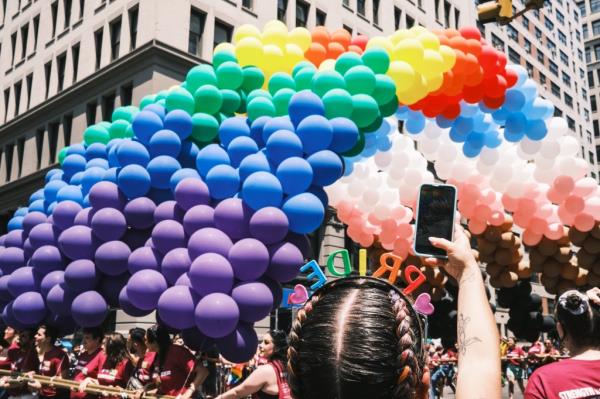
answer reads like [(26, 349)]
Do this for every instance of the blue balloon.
[(179, 122), (165, 142), (51, 173), (262, 189), (482, 122), (538, 108), (132, 153), (90, 177), (95, 150), (468, 110), (536, 129), (476, 140), (52, 188), (492, 139), (457, 136), (15, 223), (283, 144), (113, 161), (187, 155), (514, 129), (37, 194), (86, 201), (303, 104), (484, 108), (22, 211), (57, 176), (253, 163), (384, 144), (521, 72), (38, 206), (415, 125), (78, 149), (295, 175), (327, 167), (305, 213), (70, 193), (111, 175), (320, 193), (72, 164), (463, 125), (50, 208), (368, 152), (349, 166), (145, 124), (315, 132), (161, 169), (470, 151), (223, 181), (182, 174), (274, 124), (76, 179), (97, 162), (239, 148), (345, 134), (256, 129), (529, 90), (514, 100), (231, 128), (500, 115), (210, 156), (402, 113), (157, 109), (134, 181)]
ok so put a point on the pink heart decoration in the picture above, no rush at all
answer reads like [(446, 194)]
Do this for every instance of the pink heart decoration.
[(299, 296), (423, 304)]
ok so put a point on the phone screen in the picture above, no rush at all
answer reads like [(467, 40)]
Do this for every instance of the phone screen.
[(435, 217)]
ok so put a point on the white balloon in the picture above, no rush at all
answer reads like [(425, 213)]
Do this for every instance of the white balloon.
[(383, 159), (543, 162), (569, 146), (550, 149), (356, 188), (543, 175), (530, 147), (557, 126), (567, 166), (484, 168), (489, 156), (432, 131), (447, 152), (515, 188), (413, 177), (382, 211)]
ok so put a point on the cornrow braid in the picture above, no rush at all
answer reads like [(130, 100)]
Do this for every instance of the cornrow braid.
[(409, 369), (294, 345)]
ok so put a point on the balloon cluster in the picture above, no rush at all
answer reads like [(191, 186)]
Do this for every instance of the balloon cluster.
[(587, 256)]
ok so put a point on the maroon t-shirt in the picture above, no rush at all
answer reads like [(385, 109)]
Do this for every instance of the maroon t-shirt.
[(567, 379), (176, 372), (53, 363), (116, 376), (5, 363), (22, 361), (143, 371), (87, 365)]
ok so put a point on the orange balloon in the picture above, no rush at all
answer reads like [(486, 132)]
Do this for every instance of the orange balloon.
[(316, 53), (450, 33), (474, 47), (472, 64), (459, 43), (444, 40), (461, 62), (334, 50), (342, 36), (321, 35), (354, 48)]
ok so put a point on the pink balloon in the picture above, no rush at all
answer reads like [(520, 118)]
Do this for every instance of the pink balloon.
[(401, 248), (584, 222), (563, 184), (387, 245), (565, 216), (521, 218), (399, 213), (527, 205), (496, 218), (530, 238), (574, 204), (510, 203), (544, 211), (555, 196), (538, 225), (466, 206), (404, 231), (585, 187), (367, 240), (482, 212), (592, 206), (387, 236), (488, 196), (477, 226), (554, 231)]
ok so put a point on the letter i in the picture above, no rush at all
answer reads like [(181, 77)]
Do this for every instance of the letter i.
[(362, 262)]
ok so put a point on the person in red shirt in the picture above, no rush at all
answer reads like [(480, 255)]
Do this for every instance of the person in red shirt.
[(23, 358), (142, 357), (53, 362), (578, 326), (515, 371), (89, 360), (9, 341)]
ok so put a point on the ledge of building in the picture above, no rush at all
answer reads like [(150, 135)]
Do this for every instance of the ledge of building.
[(16, 193)]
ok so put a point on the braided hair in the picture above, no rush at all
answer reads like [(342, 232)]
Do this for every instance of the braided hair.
[(356, 338)]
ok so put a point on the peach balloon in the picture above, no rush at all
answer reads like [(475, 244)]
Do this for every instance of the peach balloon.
[(510, 203), (584, 222), (477, 226), (554, 231), (482, 211), (565, 216), (584, 187), (404, 231), (530, 238), (496, 218), (574, 204), (538, 225), (563, 184)]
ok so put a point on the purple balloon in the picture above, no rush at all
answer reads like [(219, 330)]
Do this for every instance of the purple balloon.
[(32, 219), (198, 217), (276, 290), (302, 242), (176, 307), (59, 299), (84, 217), (240, 345), (144, 258), (210, 273), (106, 194), (144, 288), (43, 234), (5, 294), (108, 224), (64, 214), (111, 258), (286, 261), (254, 299), (217, 315), (249, 259), (50, 280), (23, 280), (176, 262), (135, 238), (47, 259), (190, 192), (29, 308), (111, 286), (81, 275), (184, 279), (168, 235), (89, 309), (195, 340), (128, 308), (168, 210), (8, 316), (11, 259), (269, 225), (14, 238), (207, 240), (232, 217), (28, 250), (139, 212), (77, 242)]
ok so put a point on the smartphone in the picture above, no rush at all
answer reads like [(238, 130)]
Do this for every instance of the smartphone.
[(435, 218)]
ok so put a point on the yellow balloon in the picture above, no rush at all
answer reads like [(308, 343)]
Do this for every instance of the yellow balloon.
[(433, 64), (224, 47), (327, 65), (399, 35), (273, 60), (244, 31), (249, 51), (409, 50), (435, 82), (275, 24), (417, 30), (380, 42), (403, 75), (449, 57), (301, 37), (414, 93), (429, 40), (275, 37), (293, 55)]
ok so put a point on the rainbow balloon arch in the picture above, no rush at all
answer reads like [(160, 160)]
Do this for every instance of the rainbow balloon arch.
[(196, 203)]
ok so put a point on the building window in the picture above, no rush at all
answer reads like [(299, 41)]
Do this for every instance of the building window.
[(222, 33), (588, 55), (597, 52), (376, 12), (36, 28), (542, 78), (397, 17), (52, 140), (321, 17), (13, 42), (197, 19), (81, 8), (248, 4), (98, 43), (529, 68), (9, 149), (591, 157), (584, 30), (595, 6), (29, 83), (133, 23), (596, 128), (90, 112), (564, 58), (512, 32), (555, 89), (302, 10), (20, 155), (24, 37), (549, 24), (525, 22), (553, 68), (410, 21), (115, 38), (61, 61), (550, 44), (39, 145), (571, 123), (54, 11), (559, 17), (513, 56), (67, 125), (108, 106), (6, 100), (562, 38), (346, 3), (580, 54), (360, 7), (540, 56), (126, 94), (527, 45), (17, 97), (538, 33), (456, 17), (447, 12), (348, 29), (582, 9), (47, 71), (282, 9), (593, 103), (569, 100), (590, 76), (68, 5), (566, 79), (596, 27), (75, 60)]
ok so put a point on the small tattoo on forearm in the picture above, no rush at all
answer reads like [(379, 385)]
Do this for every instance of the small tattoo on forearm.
[(462, 340)]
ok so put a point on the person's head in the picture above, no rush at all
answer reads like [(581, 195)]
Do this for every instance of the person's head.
[(9, 334), (92, 338), (511, 342), (356, 338), (274, 345), (136, 341), (178, 340), (548, 344), (115, 348), (578, 324), (157, 338), (46, 336)]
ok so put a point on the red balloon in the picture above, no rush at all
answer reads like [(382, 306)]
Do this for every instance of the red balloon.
[(470, 32), (493, 102), (488, 57), (511, 78), (451, 111), (360, 41)]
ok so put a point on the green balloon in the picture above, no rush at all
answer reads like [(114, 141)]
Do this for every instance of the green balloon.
[(161, 95), (129, 132), (260, 106), (229, 75), (372, 128), (358, 147), (62, 154), (200, 75), (338, 103), (220, 117), (96, 134), (390, 108), (147, 100), (365, 110), (105, 124), (118, 129), (208, 99), (281, 80), (180, 99), (242, 108), (281, 100), (162, 102), (360, 80), (231, 101), (385, 89), (323, 81), (347, 61), (258, 93), (377, 59), (204, 127), (253, 78), (125, 113), (222, 57), (301, 65), (304, 78)]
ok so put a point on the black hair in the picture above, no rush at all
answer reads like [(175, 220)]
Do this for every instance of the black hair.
[(96, 332), (50, 332), (116, 350), (356, 338), (579, 319), (158, 334), (280, 345), (137, 334)]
